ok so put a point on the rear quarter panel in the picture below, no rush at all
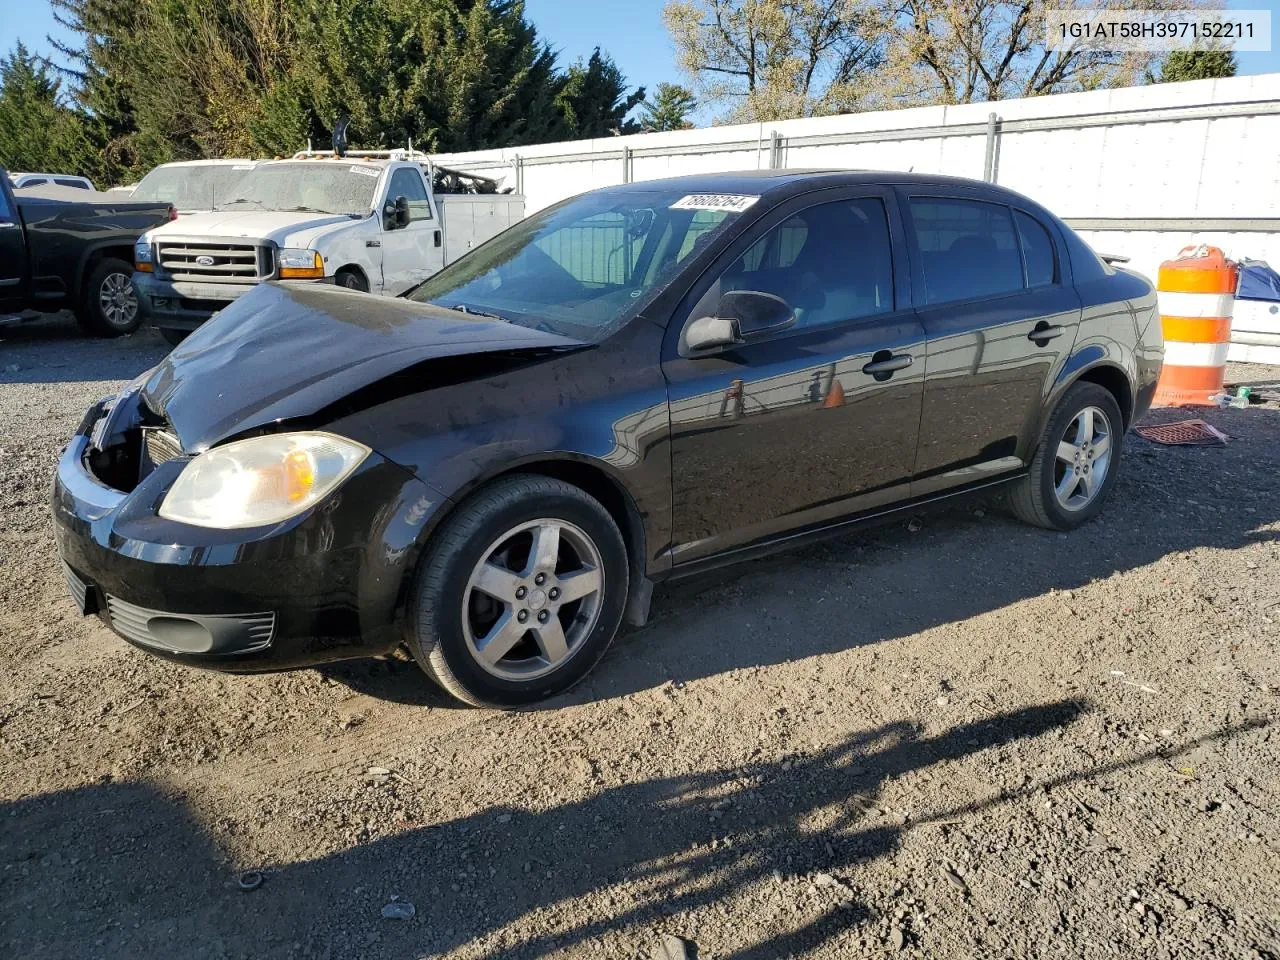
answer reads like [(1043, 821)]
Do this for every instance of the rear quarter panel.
[(1118, 329)]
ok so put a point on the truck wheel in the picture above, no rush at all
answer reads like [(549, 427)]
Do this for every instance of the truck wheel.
[(351, 280), (108, 304)]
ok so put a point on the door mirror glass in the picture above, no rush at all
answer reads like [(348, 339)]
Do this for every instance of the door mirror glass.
[(396, 213), (756, 313)]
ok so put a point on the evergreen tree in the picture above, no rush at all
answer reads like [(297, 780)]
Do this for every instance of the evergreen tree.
[(669, 110), (37, 131), (595, 101), (1195, 65)]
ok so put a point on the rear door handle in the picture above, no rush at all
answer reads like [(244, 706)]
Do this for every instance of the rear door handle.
[(885, 364), (1044, 332)]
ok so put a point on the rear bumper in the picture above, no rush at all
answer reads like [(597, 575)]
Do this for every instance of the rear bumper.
[(182, 305), (327, 585)]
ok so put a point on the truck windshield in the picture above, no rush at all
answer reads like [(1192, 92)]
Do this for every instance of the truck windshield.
[(586, 266), (199, 187), (306, 186)]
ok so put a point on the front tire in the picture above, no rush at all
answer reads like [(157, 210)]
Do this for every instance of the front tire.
[(108, 305), (1076, 463), (520, 593), (352, 280)]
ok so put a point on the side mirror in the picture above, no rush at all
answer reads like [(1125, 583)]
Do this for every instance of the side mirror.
[(741, 315), (708, 333), (396, 214)]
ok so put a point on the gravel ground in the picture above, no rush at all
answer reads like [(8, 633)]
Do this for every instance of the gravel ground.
[(951, 737)]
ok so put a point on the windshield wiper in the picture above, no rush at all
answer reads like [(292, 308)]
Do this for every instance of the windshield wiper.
[(309, 210), (243, 200), (472, 311)]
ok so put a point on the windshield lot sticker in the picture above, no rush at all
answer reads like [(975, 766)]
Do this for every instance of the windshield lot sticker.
[(366, 171), (727, 202), (242, 166)]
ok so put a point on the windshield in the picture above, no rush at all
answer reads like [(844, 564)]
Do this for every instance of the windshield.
[(585, 267), (303, 186), (200, 187)]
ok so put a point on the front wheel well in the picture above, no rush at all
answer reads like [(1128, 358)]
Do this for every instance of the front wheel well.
[(1117, 384), (354, 270), (598, 484), (94, 257)]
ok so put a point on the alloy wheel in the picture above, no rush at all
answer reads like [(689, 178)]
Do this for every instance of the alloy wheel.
[(117, 300), (1083, 459), (533, 599)]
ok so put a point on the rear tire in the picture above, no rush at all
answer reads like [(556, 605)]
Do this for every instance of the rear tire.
[(108, 304), (1076, 461), (497, 622)]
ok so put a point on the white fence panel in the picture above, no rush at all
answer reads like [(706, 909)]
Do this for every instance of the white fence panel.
[(1141, 171)]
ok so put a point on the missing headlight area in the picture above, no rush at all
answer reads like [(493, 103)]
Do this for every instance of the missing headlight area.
[(130, 442)]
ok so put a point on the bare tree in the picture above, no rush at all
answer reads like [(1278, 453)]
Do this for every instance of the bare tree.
[(963, 51), (773, 59)]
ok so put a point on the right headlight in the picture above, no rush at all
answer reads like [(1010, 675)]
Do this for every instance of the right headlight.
[(262, 480), (142, 257)]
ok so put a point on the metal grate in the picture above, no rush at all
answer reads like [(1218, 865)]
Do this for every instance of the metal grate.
[(215, 262), (1187, 433)]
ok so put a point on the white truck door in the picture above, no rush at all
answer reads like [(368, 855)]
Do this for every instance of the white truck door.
[(412, 251)]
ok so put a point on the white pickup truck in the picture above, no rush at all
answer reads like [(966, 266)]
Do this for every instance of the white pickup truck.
[(371, 223)]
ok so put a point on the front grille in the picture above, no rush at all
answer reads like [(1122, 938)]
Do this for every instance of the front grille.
[(191, 633), (161, 445), (224, 262)]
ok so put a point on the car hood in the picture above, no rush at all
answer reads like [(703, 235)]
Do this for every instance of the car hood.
[(284, 229), (289, 352)]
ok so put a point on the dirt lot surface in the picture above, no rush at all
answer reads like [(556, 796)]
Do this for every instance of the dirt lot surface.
[(951, 737)]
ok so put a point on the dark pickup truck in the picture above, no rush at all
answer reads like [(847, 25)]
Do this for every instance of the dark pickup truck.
[(66, 249)]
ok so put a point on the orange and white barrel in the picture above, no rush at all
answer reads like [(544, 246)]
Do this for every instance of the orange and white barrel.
[(1197, 292)]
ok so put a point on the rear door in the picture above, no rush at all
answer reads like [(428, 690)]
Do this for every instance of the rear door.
[(813, 423), (13, 253), (413, 252), (991, 285)]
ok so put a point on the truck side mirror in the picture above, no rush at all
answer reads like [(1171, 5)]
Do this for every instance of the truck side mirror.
[(396, 214)]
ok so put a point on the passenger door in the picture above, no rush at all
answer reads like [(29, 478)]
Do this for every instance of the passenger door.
[(412, 252), (13, 254), (816, 422), (992, 288)]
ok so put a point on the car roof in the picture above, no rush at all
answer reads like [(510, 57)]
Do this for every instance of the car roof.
[(17, 175), (792, 181)]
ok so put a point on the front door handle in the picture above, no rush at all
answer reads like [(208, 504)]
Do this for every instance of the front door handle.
[(1044, 332), (884, 364)]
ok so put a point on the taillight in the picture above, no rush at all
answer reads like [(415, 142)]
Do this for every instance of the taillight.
[(173, 212)]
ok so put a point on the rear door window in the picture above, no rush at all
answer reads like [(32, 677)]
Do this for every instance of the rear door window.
[(968, 248), (78, 184), (1037, 249)]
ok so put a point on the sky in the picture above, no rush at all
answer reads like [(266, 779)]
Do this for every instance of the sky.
[(631, 31)]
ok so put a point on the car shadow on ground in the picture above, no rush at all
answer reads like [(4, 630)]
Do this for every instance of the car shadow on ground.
[(125, 869), (926, 569), (53, 349)]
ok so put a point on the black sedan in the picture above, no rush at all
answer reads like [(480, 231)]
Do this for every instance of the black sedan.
[(635, 384)]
